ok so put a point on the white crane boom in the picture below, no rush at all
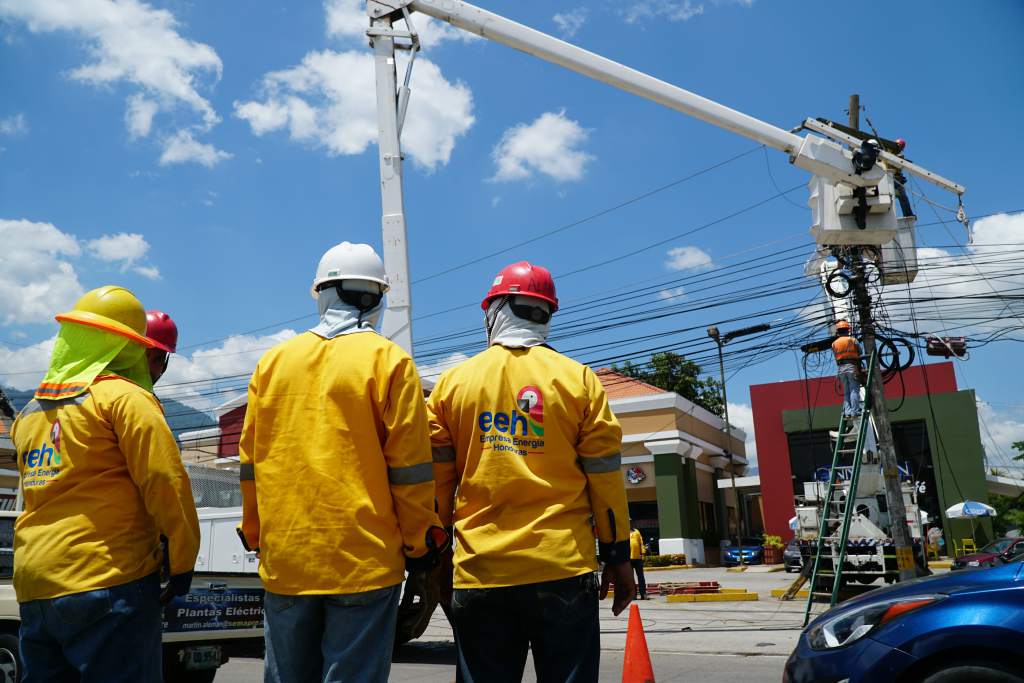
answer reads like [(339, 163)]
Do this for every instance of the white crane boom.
[(827, 159)]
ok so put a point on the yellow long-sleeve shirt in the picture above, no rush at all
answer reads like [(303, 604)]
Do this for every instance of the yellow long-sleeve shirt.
[(337, 483), (102, 480), (636, 545), (526, 450)]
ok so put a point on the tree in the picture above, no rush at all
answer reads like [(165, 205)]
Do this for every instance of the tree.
[(672, 372), (1009, 509)]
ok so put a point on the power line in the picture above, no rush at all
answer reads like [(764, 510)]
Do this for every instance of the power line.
[(588, 218)]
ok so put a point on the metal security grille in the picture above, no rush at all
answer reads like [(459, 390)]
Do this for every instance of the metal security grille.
[(214, 487)]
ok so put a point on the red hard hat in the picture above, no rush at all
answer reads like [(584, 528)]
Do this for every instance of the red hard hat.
[(162, 330), (524, 279)]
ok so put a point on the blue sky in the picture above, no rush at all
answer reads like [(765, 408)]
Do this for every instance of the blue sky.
[(205, 154)]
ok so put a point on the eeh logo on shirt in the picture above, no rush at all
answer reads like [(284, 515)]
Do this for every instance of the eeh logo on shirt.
[(531, 401)]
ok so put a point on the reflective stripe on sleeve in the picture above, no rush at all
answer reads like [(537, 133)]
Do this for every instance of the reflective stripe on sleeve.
[(601, 465), (413, 474), (246, 472), (443, 454), (42, 404)]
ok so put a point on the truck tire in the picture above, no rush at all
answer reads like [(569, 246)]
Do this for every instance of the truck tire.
[(175, 671), (10, 660), (182, 676)]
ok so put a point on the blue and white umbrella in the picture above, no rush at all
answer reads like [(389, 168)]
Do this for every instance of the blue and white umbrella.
[(970, 509)]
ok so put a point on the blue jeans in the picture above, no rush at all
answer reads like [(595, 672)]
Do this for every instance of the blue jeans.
[(110, 635), (851, 389), (330, 638), (558, 620)]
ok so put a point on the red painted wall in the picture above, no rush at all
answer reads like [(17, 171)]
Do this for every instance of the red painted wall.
[(768, 401), (230, 431)]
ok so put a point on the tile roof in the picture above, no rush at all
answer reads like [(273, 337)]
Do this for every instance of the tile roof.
[(620, 386)]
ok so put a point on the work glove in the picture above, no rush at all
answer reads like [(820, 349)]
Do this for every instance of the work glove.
[(245, 543), (420, 597), (178, 585), (422, 587)]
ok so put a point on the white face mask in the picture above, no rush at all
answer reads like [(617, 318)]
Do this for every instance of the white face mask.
[(338, 318), (509, 330)]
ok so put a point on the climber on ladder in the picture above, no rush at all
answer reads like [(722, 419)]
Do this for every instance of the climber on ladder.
[(848, 355)]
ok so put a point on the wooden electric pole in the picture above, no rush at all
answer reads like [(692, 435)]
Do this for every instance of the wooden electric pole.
[(898, 528)]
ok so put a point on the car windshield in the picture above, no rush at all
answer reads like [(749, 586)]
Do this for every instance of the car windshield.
[(997, 546), (752, 541)]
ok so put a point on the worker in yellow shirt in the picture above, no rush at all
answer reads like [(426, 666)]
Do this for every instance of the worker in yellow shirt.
[(637, 550), (337, 482), (527, 459), (102, 481)]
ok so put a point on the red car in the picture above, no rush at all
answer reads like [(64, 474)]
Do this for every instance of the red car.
[(994, 554)]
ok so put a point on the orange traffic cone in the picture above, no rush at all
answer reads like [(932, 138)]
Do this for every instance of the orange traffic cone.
[(636, 668)]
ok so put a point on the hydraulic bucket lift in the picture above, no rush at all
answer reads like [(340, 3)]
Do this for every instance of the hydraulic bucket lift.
[(852, 190)]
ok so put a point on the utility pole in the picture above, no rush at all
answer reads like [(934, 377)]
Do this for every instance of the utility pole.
[(721, 340), (898, 528)]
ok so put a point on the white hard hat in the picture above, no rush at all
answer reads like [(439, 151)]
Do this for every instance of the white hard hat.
[(347, 261)]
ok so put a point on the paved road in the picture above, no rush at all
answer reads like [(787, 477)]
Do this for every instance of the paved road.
[(430, 667), (729, 642)]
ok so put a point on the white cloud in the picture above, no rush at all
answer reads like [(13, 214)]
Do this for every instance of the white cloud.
[(966, 284), (347, 20), (14, 125), (569, 23), (182, 148), (741, 415), (672, 293), (124, 249), (37, 278), (1000, 429), (329, 101), (24, 367), (549, 145), (150, 272), (238, 355), (131, 42), (429, 372), (673, 10), (662, 9), (687, 258), (139, 116)]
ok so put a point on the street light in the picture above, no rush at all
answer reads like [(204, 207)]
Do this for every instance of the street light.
[(721, 340)]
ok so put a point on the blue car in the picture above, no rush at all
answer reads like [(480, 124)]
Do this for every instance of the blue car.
[(753, 553), (958, 627)]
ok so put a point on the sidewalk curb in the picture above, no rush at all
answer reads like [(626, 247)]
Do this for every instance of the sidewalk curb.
[(671, 566), (732, 596)]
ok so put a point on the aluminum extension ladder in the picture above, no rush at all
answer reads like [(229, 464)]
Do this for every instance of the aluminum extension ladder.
[(840, 512)]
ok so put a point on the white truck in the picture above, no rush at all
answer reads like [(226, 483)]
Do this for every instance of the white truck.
[(222, 615)]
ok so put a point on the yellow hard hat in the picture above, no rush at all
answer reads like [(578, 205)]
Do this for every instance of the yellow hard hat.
[(113, 309)]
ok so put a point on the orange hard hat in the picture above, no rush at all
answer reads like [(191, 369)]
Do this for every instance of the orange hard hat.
[(842, 325)]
